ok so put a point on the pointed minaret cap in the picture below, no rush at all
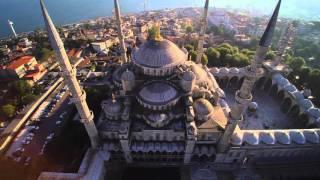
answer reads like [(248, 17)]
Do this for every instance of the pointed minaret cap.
[(51, 29), (206, 6), (266, 38)]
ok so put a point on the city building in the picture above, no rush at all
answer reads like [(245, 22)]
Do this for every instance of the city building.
[(19, 67)]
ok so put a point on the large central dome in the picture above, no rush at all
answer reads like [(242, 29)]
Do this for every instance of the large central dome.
[(158, 57)]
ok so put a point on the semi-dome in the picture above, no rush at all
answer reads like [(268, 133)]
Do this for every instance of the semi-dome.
[(203, 109), (157, 119), (154, 56), (203, 106), (158, 95)]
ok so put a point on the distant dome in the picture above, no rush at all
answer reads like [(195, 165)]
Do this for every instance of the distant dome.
[(159, 54), (158, 95)]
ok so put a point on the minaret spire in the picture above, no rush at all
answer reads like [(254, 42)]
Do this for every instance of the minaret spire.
[(266, 38), (202, 32), (254, 71), (78, 95), (120, 32), (12, 29)]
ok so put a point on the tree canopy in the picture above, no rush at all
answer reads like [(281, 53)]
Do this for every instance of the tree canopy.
[(8, 110)]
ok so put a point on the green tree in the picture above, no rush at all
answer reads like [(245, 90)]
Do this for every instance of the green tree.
[(297, 63), (28, 98), (37, 89), (189, 47), (8, 110), (193, 55), (189, 29), (46, 54), (20, 88), (204, 59), (270, 55), (213, 57)]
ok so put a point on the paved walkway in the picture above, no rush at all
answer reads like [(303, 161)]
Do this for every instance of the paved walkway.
[(268, 115)]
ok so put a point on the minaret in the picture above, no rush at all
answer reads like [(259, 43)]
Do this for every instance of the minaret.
[(202, 32), (12, 29), (69, 74), (244, 96), (124, 58), (286, 40)]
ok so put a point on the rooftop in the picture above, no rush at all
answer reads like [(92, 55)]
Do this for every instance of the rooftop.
[(19, 62)]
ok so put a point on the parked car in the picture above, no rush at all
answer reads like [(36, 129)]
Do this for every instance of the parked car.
[(50, 136), (25, 142), (27, 161)]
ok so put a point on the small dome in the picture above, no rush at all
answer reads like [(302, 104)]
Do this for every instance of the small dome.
[(282, 82), (127, 76), (311, 136), (188, 76), (297, 137), (253, 106), (158, 93), (277, 76), (234, 70), (283, 137), (251, 138), (202, 107), (314, 112), (237, 139), (290, 88), (224, 70), (267, 138), (298, 95), (305, 104), (159, 54), (112, 108), (214, 70)]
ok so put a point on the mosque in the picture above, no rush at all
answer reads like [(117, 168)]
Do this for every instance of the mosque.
[(165, 110)]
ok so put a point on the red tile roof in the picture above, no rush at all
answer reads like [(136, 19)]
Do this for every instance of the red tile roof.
[(19, 62), (72, 52), (84, 63)]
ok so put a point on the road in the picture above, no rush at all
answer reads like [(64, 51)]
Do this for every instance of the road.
[(46, 127)]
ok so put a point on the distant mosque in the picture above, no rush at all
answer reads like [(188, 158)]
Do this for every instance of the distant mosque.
[(164, 110)]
